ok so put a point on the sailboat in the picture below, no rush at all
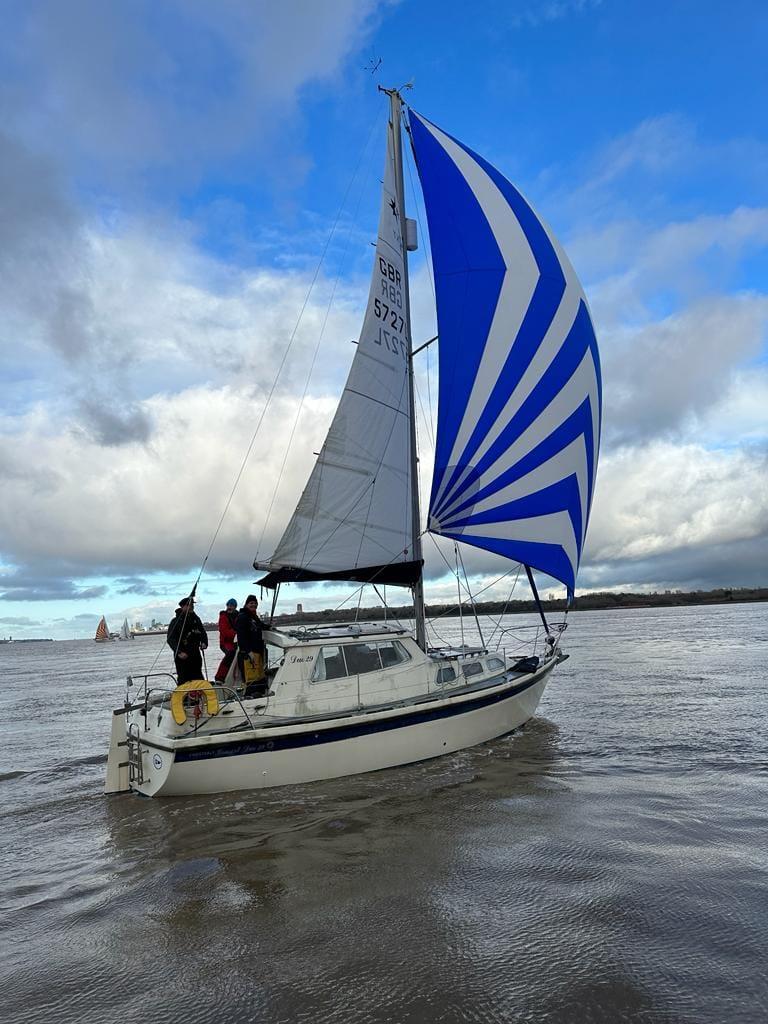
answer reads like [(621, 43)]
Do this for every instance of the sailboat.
[(125, 631), (518, 431), (102, 632)]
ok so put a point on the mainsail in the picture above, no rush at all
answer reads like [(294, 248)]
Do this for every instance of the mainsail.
[(125, 631), (519, 406), (102, 631), (354, 518)]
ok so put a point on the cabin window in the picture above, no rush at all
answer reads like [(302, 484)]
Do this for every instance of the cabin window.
[(362, 658), (446, 675), (494, 664), (336, 661), (392, 653), (472, 668), (330, 664)]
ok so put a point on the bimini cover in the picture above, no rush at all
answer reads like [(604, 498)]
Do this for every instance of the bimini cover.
[(520, 391)]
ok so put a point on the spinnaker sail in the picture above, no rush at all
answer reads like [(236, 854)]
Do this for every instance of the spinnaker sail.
[(519, 407)]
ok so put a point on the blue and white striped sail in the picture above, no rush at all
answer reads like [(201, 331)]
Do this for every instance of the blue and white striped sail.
[(520, 390)]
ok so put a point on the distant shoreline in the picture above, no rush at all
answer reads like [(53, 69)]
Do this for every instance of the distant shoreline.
[(583, 602)]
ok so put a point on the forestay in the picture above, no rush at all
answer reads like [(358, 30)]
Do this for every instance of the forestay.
[(353, 520), (520, 390)]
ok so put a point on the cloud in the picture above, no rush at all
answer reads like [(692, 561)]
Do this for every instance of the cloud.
[(631, 267), (112, 426), (738, 563), (738, 417), (663, 498), (144, 363), (663, 167), (665, 376), (152, 508), (172, 84), (37, 585), (653, 147), (18, 620), (41, 258), (134, 585), (533, 15), (155, 314)]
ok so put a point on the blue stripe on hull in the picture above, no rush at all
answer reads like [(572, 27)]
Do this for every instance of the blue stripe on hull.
[(348, 732)]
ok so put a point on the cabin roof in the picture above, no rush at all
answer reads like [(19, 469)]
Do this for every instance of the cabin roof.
[(294, 636)]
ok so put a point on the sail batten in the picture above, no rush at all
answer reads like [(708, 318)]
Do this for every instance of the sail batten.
[(519, 406)]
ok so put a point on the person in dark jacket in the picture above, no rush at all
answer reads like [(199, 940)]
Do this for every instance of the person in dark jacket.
[(227, 638), (250, 646), (187, 639)]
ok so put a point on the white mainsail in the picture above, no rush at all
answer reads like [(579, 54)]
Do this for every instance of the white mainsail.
[(353, 520)]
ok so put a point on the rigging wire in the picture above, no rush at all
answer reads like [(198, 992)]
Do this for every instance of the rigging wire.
[(497, 624), (283, 360), (472, 600), (359, 602), (342, 264), (370, 486), (280, 368), (458, 587), (488, 586), (379, 571)]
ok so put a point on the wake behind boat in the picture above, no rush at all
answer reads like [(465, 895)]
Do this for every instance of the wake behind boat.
[(516, 458)]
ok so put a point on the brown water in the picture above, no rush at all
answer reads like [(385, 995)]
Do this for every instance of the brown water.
[(608, 864)]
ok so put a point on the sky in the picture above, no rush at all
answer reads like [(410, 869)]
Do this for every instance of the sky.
[(188, 192)]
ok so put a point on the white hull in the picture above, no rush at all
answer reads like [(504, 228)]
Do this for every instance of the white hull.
[(279, 755)]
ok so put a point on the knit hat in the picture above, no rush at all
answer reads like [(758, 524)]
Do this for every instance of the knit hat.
[(184, 602), (251, 597), (231, 603)]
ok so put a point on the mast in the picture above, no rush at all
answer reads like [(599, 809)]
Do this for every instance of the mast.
[(395, 104)]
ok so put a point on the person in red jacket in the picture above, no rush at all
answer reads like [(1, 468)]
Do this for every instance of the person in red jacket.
[(227, 638)]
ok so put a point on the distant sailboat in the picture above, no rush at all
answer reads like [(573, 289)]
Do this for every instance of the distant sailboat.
[(102, 632), (125, 631), (518, 432)]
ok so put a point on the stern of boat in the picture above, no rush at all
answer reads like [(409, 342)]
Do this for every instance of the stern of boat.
[(117, 780)]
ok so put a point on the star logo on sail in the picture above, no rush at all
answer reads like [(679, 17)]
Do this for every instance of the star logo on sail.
[(393, 205)]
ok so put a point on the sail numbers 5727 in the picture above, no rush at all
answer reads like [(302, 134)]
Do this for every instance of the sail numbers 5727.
[(387, 309), (390, 316)]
